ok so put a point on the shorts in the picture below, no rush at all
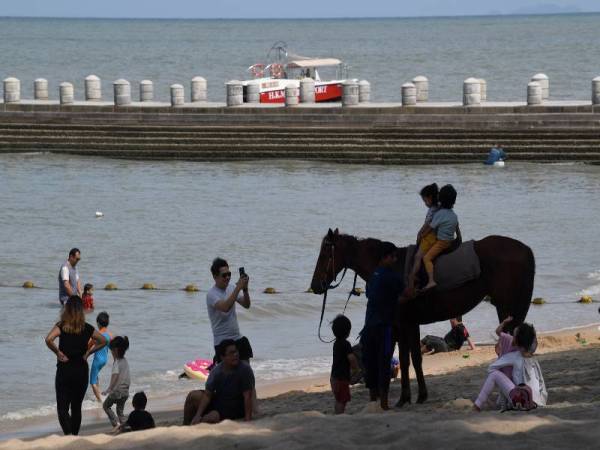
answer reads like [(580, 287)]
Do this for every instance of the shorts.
[(341, 390), (243, 346), (435, 343), (427, 242), (97, 366), (229, 413)]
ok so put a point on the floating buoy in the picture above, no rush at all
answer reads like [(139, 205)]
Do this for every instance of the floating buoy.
[(309, 291), (28, 285), (538, 301), (99, 214), (270, 290), (148, 286), (586, 299), (191, 288), (110, 287)]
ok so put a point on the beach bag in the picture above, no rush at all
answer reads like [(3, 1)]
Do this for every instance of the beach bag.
[(521, 398)]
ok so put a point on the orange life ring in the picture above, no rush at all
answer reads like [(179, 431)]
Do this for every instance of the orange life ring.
[(277, 70), (257, 70)]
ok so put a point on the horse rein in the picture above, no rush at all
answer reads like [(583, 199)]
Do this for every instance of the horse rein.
[(331, 261)]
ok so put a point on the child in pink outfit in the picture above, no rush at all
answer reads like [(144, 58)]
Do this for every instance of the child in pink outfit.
[(524, 368)]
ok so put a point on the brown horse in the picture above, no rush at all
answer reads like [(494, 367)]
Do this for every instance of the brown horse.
[(507, 274)]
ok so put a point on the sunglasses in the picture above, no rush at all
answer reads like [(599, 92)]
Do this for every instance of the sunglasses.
[(226, 275)]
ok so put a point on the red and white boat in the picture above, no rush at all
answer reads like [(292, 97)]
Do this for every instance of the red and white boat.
[(287, 70)]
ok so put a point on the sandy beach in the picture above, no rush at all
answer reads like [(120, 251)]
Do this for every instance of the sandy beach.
[(298, 412)]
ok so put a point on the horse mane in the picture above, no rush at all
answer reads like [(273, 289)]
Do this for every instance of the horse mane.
[(369, 242)]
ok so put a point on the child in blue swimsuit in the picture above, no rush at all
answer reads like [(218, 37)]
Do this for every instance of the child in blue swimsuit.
[(101, 356)]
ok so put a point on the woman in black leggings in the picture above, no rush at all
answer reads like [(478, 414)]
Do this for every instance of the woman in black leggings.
[(71, 381)]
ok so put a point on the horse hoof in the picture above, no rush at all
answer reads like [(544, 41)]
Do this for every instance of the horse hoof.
[(402, 402), (422, 398)]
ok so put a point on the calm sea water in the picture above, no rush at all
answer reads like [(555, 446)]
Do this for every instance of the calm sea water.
[(506, 51), (165, 221)]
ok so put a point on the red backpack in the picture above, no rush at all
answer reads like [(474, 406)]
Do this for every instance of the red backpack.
[(521, 398)]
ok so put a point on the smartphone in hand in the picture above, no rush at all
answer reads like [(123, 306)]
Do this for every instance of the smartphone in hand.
[(242, 272)]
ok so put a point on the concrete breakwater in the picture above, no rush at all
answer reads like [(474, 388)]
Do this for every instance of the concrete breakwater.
[(412, 131)]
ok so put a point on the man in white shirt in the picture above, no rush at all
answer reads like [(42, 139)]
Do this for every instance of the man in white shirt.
[(68, 277), (220, 302)]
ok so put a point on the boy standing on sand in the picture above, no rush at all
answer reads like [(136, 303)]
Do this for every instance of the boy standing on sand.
[(344, 359)]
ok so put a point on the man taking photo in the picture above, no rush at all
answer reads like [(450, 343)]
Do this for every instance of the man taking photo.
[(220, 302)]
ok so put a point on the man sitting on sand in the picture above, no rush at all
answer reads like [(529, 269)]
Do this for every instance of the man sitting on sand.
[(228, 393), (454, 340)]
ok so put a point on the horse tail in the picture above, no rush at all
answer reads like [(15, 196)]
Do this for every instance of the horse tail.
[(526, 288)]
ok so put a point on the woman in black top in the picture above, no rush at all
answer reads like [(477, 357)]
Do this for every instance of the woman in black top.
[(71, 381)]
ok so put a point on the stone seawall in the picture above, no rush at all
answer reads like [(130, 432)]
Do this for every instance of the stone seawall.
[(372, 133)]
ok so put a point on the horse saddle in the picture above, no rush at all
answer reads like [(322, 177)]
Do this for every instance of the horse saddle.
[(450, 270)]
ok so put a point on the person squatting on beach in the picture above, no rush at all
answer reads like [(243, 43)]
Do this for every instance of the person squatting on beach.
[(426, 235), (453, 340), (229, 390), (88, 296), (71, 380), (220, 303), (383, 290), (526, 388), (118, 389), (344, 360), (139, 419), (445, 224), (68, 277), (101, 356)]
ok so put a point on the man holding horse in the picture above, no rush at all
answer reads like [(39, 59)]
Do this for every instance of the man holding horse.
[(383, 289)]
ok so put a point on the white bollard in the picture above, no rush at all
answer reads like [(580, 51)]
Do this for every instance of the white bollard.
[(12, 90), (292, 96), (146, 91), (307, 90), (66, 93), (471, 92), (350, 93), (364, 91), (40, 89), (483, 89), (122, 92), (177, 95), (544, 83), (422, 85), (535, 93), (198, 91), (596, 91), (93, 88), (253, 92), (409, 94), (235, 93)]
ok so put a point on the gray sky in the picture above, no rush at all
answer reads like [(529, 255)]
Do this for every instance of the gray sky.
[(283, 8)]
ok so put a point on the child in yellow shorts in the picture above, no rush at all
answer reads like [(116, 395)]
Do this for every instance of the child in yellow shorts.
[(426, 236)]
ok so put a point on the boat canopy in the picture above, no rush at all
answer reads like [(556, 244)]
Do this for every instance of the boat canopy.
[(308, 63)]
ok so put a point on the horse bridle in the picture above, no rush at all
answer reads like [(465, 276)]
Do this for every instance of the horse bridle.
[(331, 261)]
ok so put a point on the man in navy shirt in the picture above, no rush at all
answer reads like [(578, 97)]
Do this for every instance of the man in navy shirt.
[(383, 289)]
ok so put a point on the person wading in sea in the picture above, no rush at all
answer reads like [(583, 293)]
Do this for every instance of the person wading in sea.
[(68, 277)]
